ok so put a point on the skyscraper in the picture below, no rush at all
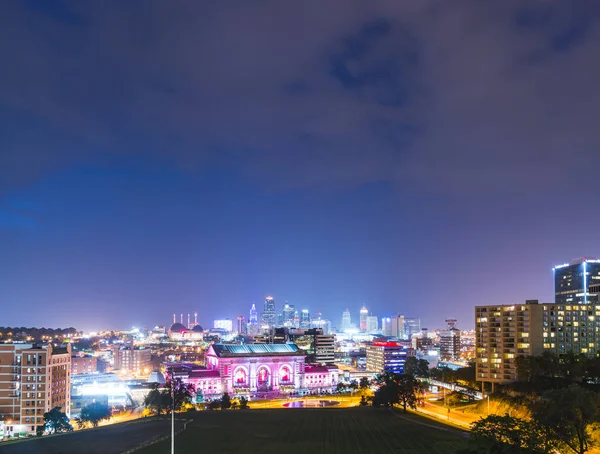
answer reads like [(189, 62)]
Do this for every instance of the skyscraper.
[(269, 316), (412, 326), (364, 313), (398, 326), (305, 319), (450, 342), (346, 320), (242, 326), (571, 323), (386, 326), (253, 327), (372, 324), (288, 315)]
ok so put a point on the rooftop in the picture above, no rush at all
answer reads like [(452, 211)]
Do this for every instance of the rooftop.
[(256, 349)]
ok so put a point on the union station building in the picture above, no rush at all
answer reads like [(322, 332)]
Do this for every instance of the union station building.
[(250, 368)]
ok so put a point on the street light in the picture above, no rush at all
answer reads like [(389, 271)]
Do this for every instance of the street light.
[(172, 416)]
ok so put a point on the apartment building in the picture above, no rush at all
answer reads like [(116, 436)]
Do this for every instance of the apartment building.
[(33, 380), (503, 333)]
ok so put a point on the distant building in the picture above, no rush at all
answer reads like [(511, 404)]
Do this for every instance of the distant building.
[(372, 325), (386, 326), (364, 313), (422, 342), (383, 356), (33, 380), (450, 342), (242, 326), (319, 323), (87, 364), (225, 324), (178, 331), (137, 361), (346, 320), (269, 314), (412, 326), (305, 319), (288, 315), (398, 326), (253, 326), (503, 333)]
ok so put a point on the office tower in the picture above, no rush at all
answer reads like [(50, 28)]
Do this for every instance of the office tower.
[(242, 326), (372, 325), (422, 342), (269, 315), (398, 326), (324, 348), (346, 320), (386, 326), (385, 357), (411, 326), (450, 342), (253, 327), (364, 313), (503, 333), (305, 319), (570, 324), (225, 324), (33, 380), (132, 360), (323, 324), (288, 315)]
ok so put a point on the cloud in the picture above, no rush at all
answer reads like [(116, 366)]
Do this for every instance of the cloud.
[(472, 95)]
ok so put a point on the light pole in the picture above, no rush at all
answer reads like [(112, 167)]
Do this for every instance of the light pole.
[(172, 416)]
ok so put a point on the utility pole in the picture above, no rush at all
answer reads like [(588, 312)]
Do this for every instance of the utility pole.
[(172, 415)]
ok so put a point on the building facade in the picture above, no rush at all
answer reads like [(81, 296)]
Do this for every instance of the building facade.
[(346, 320), (87, 364), (503, 333), (269, 314), (364, 313), (137, 361), (449, 342), (386, 357), (33, 380), (398, 326), (372, 324)]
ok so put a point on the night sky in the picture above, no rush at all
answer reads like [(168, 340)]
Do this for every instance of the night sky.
[(420, 157)]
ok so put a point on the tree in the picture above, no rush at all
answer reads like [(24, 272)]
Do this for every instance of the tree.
[(410, 365), (364, 383), (340, 387), (401, 389), (507, 434), (160, 400), (93, 413), (157, 400), (408, 388), (364, 401), (214, 404), (568, 414), (243, 403), (225, 401), (422, 369), (183, 392), (55, 421)]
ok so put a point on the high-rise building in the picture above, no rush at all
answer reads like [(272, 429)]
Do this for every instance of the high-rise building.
[(224, 323), (253, 326), (134, 360), (503, 333), (372, 324), (324, 348), (320, 323), (364, 313), (288, 315), (269, 315), (33, 380), (412, 326), (571, 323), (385, 357), (386, 326), (242, 326), (85, 364), (398, 326), (305, 319), (450, 341), (346, 320)]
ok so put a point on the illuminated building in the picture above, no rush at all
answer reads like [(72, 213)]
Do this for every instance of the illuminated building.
[(242, 326), (386, 326), (503, 333), (33, 380), (288, 315), (398, 326), (319, 323), (364, 313), (107, 388), (320, 378), (346, 320), (384, 356), (450, 342), (87, 364), (305, 319), (178, 331), (570, 324), (269, 315), (132, 360), (253, 326), (412, 326), (372, 325), (224, 324), (318, 346)]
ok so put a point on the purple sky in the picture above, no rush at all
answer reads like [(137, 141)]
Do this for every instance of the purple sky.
[(419, 157)]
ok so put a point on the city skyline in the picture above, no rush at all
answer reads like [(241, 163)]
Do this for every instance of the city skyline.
[(416, 157)]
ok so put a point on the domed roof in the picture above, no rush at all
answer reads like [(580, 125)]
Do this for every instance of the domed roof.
[(197, 329), (177, 327)]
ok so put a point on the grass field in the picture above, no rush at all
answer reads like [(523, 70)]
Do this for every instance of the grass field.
[(300, 431)]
